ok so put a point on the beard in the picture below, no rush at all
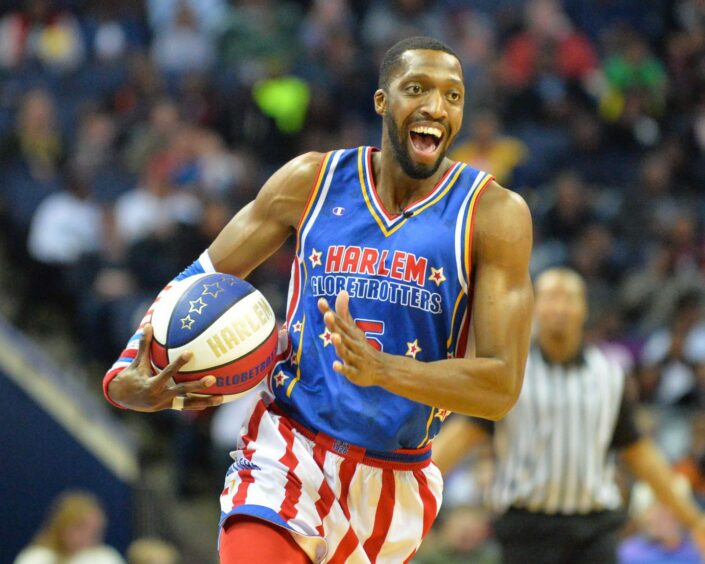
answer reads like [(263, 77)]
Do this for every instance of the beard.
[(414, 170)]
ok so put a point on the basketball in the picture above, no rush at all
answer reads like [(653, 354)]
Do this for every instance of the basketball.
[(225, 322)]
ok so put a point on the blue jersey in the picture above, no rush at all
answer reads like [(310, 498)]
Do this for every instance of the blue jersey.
[(408, 278)]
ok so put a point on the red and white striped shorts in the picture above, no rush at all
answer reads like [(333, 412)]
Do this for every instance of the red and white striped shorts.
[(340, 503)]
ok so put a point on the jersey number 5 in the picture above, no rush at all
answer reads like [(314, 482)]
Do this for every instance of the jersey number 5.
[(371, 328)]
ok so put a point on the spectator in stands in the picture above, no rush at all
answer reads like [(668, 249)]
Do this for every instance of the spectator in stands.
[(570, 214), (155, 205), (208, 13), (258, 37), (36, 141), (41, 32), (72, 534), (31, 157), (635, 75), (488, 149), (67, 225), (183, 46), (673, 355), (152, 551), (549, 43), (152, 136), (391, 20), (93, 150)]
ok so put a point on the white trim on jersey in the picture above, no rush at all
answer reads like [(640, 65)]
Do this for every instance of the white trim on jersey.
[(459, 223), (206, 262)]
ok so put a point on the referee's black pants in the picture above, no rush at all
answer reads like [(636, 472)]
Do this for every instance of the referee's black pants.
[(540, 538)]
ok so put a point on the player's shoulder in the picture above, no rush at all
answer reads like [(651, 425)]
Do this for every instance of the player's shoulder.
[(305, 166), (502, 213)]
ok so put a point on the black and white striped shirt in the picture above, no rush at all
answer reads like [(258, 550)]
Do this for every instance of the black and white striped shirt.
[(555, 449)]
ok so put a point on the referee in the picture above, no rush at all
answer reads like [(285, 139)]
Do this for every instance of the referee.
[(554, 487)]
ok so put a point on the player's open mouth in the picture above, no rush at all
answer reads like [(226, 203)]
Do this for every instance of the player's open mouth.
[(425, 139)]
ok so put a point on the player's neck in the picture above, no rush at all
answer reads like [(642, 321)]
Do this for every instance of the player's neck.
[(397, 189), (560, 349)]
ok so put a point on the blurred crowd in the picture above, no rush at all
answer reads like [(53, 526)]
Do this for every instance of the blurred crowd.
[(130, 132), (73, 533)]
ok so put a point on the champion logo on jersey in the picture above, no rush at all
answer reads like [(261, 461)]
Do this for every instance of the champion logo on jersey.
[(338, 210)]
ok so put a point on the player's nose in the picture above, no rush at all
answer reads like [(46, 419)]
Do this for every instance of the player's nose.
[(435, 107)]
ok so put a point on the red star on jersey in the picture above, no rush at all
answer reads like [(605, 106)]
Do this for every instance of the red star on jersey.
[(315, 258), (280, 379), (327, 337), (413, 348), (297, 326), (437, 276), (442, 414), (450, 354)]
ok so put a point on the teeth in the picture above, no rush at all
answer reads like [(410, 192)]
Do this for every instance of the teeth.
[(437, 133)]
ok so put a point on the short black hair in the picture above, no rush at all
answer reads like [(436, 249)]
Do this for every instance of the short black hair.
[(393, 55)]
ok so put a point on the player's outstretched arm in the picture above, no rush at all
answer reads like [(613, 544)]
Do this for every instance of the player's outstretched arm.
[(252, 236), (488, 384)]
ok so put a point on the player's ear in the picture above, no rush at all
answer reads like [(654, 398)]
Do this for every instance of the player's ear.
[(380, 101)]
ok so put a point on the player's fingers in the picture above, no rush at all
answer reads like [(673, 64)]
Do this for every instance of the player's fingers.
[(345, 369), (163, 377), (143, 357), (335, 322), (195, 402), (341, 349), (188, 387), (342, 306), (323, 306)]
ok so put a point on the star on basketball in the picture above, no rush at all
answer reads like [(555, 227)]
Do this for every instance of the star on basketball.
[(315, 258), (196, 306), (297, 326), (327, 337), (212, 289), (187, 322), (280, 379), (437, 276), (413, 348), (442, 414)]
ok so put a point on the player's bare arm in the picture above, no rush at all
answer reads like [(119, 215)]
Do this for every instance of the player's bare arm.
[(262, 226), (488, 384), (252, 236)]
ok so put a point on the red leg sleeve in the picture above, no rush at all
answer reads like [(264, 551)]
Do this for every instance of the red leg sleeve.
[(251, 540)]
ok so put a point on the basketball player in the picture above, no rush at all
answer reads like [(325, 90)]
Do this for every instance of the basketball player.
[(416, 251), (554, 487)]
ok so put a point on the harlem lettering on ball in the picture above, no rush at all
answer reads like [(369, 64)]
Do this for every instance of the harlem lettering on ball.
[(240, 329)]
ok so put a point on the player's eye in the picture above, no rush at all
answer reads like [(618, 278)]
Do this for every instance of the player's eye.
[(414, 89), (454, 96)]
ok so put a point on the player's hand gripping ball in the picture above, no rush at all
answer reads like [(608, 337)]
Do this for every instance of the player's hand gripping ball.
[(225, 322)]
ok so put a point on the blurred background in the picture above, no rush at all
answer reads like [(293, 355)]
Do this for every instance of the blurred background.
[(130, 132)]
